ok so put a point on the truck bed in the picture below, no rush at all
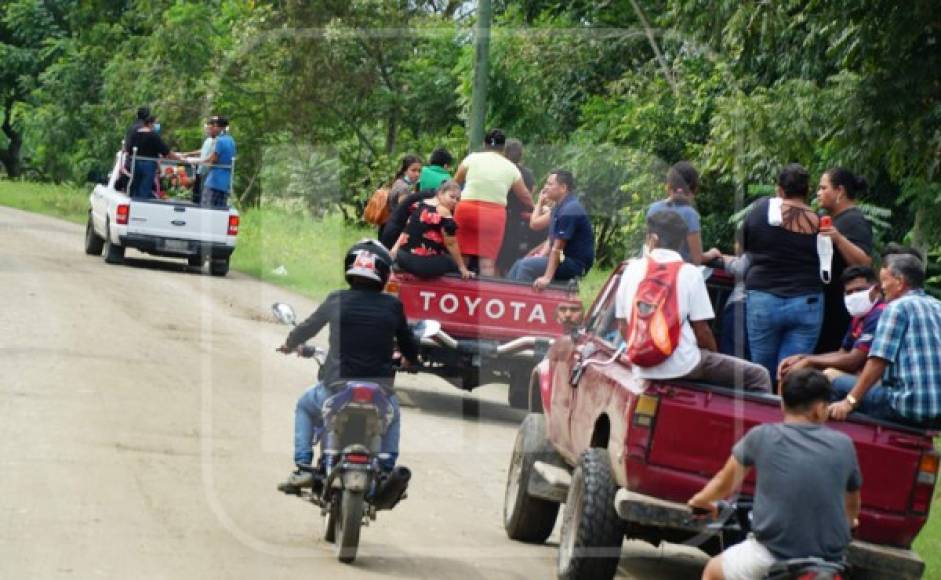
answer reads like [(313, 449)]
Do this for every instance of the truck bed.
[(484, 308), (697, 424)]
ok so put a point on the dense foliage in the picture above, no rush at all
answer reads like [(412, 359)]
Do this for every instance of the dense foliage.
[(326, 96)]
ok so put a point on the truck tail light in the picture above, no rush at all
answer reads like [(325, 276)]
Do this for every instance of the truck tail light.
[(925, 481), (392, 287), (642, 421), (122, 214), (233, 225)]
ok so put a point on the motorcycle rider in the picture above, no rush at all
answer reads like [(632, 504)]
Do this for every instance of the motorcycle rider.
[(365, 325), (807, 485)]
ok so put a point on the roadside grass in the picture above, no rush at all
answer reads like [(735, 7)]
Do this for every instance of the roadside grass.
[(293, 250), (284, 247), (928, 543), (62, 201)]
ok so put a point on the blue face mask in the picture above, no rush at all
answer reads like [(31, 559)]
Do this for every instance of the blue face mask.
[(157, 128)]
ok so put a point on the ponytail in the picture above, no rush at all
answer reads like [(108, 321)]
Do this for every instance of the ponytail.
[(854, 185)]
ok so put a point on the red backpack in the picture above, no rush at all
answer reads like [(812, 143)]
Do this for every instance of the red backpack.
[(653, 330)]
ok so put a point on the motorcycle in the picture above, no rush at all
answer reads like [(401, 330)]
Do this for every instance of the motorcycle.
[(733, 524), (349, 485)]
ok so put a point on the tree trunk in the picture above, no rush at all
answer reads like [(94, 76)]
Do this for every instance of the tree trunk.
[(10, 157)]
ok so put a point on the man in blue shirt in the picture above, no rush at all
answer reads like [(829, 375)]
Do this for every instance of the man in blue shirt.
[(219, 180), (901, 380), (570, 235)]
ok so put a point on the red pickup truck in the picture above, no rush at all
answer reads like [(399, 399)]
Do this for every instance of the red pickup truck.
[(491, 329), (625, 455)]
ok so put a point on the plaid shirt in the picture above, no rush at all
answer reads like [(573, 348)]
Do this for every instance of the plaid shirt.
[(909, 337)]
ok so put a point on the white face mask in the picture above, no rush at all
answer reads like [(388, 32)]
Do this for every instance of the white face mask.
[(859, 303)]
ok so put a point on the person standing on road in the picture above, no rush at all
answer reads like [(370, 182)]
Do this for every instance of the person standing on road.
[(851, 233), (365, 325), (218, 184), (570, 234), (481, 216)]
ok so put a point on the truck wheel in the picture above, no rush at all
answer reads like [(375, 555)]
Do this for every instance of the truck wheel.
[(113, 254), (219, 267), (592, 532), (526, 518), (93, 242)]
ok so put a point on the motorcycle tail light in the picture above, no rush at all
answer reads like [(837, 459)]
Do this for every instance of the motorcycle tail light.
[(357, 458), (122, 214), (362, 395)]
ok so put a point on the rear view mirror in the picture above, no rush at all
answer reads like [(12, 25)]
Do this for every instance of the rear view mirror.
[(426, 329), (284, 313)]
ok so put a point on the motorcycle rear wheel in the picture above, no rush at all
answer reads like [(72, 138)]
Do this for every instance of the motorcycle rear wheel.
[(348, 522)]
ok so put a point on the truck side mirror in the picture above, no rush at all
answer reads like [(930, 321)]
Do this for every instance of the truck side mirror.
[(570, 315)]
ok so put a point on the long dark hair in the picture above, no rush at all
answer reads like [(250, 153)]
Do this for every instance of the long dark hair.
[(853, 184), (407, 162)]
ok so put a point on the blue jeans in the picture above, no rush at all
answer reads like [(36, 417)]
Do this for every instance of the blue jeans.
[(308, 422), (780, 327), (143, 180), (876, 403), (734, 338), (528, 269)]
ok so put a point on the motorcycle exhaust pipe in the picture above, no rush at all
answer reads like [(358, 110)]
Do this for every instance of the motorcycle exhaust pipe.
[(392, 489)]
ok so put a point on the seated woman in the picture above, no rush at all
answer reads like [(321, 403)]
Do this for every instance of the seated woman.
[(427, 248)]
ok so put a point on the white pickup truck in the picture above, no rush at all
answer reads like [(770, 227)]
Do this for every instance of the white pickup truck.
[(170, 228)]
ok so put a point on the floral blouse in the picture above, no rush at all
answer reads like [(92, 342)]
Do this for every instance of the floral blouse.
[(424, 233)]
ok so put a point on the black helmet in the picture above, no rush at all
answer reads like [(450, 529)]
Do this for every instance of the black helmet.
[(368, 261)]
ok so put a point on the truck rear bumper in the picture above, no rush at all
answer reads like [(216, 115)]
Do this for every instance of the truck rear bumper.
[(176, 248), (867, 560)]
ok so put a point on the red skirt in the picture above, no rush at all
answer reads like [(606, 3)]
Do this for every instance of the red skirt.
[(480, 226)]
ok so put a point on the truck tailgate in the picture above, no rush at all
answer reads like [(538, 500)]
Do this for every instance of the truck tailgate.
[(486, 308), (178, 220), (697, 427)]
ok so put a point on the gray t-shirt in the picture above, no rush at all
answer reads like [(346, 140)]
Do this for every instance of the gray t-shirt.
[(803, 474)]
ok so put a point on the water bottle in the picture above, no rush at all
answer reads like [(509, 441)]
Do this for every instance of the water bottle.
[(825, 250)]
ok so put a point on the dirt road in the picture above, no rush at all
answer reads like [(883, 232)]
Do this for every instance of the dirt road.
[(145, 420)]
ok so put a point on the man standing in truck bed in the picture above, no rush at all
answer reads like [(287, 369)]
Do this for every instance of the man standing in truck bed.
[(218, 182)]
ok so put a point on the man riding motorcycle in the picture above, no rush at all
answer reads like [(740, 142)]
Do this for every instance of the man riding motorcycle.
[(365, 325)]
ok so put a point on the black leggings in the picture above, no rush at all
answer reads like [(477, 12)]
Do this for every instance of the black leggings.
[(425, 266)]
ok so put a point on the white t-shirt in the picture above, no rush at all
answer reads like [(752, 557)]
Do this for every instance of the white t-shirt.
[(694, 305)]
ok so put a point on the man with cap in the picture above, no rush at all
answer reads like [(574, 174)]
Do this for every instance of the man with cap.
[(218, 181)]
